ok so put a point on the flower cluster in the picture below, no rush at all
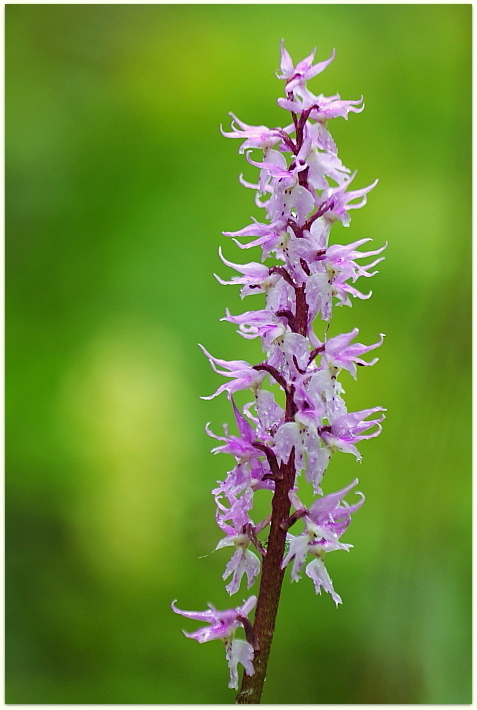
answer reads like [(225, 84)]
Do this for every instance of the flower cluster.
[(304, 189)]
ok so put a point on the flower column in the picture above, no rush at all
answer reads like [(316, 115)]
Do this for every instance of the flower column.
[(275, 444)]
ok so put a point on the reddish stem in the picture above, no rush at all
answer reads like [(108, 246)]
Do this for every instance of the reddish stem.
[(272, 572), (270, 586)]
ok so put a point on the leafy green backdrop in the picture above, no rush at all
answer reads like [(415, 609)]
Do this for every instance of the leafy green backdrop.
[(118, 187)]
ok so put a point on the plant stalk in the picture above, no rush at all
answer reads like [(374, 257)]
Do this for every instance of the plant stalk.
[(270, 586)]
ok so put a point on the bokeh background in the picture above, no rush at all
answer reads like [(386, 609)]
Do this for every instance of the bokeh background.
[(119, 185)]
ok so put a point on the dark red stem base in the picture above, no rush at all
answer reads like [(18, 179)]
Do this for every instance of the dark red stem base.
[(270, 585)]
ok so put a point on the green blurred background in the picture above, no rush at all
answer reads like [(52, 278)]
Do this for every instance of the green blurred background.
[(118, 187)]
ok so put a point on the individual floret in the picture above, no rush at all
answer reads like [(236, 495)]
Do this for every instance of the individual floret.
[(325, 522), (222, 625), (243, 374)]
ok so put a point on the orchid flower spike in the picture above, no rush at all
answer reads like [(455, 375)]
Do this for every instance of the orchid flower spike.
[(296, 418)]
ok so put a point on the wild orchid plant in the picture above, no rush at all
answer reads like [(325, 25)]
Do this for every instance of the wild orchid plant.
[(275, 444)]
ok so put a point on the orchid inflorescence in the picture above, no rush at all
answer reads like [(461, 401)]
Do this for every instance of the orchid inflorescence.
[(276, 443)]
